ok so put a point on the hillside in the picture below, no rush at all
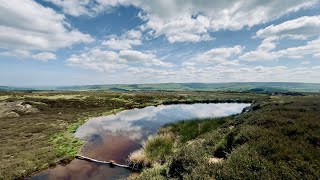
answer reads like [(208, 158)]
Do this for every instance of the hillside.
[(258, 87)]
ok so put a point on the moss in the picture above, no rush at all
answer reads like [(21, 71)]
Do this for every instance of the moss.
[(66, 145)]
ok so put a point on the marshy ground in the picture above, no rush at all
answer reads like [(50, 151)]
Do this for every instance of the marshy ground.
[(279, 139)]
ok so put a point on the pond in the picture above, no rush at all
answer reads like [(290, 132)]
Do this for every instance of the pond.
[(114, 137)]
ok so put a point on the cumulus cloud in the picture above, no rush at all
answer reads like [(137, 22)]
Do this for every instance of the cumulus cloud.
[(316, 55), (129, 63), (74, 7), (301, 28), (97, 59), (311, 48), (132, 56), (189, 20), (263, 52), (87, 7), (246, 73), (27, 25), (125, 41), (182, 29), (105, 60), (43, 56), (221, 55)]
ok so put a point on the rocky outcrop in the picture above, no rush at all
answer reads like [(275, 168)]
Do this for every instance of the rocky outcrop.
[(16, 109)]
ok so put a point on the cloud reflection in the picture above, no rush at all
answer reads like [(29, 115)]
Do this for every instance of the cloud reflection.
[(137, 124)]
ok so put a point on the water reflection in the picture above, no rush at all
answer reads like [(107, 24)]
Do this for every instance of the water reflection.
[(113, 137)]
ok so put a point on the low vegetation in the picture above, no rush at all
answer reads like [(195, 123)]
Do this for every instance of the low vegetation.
[(36, 130), (279, 139)]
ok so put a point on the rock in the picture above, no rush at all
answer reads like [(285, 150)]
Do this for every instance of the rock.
[(16, 109), (9, 115)]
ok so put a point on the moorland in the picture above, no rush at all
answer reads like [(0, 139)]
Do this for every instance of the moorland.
[(277, 137)]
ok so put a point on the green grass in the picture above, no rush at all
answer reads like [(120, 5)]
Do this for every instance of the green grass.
[(154, 173), (191, 129), (66, 145), (279, 140), (159, 146)]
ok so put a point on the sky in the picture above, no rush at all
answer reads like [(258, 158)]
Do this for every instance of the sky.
[(84, 42)]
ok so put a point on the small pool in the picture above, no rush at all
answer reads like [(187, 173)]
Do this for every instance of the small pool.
[(114, 137)]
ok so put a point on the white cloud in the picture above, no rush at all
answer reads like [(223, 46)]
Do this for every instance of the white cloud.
[(192, 71), (312, 48), (27, 25), (16, 53), (306, 28), (263, 52), (300, 28), (126, 41), (220, 55), (189, 20), (245, 73), (73, 7), (182, 29), (305, 62), (21, 54), (174, 19), (316, 55), (104, 60), (44, 56), (87, 7), (97, 59)]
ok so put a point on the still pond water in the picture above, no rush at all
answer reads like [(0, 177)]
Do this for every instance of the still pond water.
[(114, 137)]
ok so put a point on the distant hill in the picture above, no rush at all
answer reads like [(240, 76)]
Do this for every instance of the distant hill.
[(258, 87), (8, 88)]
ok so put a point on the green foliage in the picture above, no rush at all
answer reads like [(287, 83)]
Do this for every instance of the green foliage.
[(157, 172), (159, 146), (191, 129), (66, 144)]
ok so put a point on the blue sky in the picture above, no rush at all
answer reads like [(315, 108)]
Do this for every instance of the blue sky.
[(78, 42)]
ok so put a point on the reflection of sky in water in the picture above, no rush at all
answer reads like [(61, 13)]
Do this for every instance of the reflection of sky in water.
[(137, 124), (116, 136)]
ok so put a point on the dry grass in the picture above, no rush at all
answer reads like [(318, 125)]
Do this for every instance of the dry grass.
[(139, 158)]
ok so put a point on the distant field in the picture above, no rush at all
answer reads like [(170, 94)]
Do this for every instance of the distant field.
[(259, 87)]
